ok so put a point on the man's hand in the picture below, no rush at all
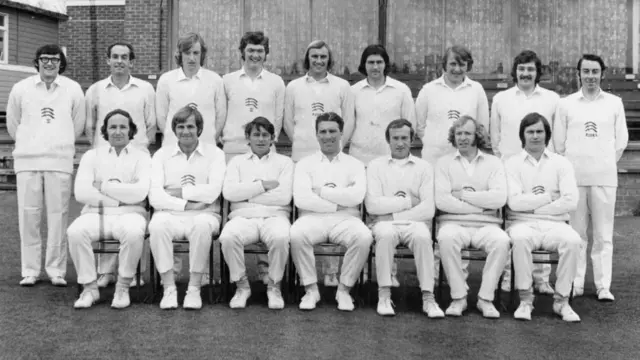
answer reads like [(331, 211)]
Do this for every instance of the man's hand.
[(555, 195), (97, 185), (457, 194), (188, 179), (192, 205), (270, 184), (414, 201), (538, 190), (316, 190), (174, 192)]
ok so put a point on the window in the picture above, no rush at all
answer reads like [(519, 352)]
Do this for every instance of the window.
[(4, 38)]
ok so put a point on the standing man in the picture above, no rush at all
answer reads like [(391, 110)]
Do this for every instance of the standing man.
[(328, 187), (259, 185), (315, 93), (113, 183), (191, 85), (471, 187), (307, 97), (186, 184), (542, 192), (447, 98), (45, 115), (400, 202), (137, 97), (591, 131), (507, 110), (379, 99), (252, 92), (194, 86)]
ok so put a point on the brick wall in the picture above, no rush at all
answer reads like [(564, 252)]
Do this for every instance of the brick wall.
[(142, 30), (87, 34)]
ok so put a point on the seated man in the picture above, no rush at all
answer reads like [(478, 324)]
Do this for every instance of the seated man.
[(400, 202), (112, 182), (542, 193), (471, 187), (258, 184), (185, 185), (328, 186)]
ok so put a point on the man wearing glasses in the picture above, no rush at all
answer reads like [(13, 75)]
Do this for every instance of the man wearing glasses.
[(45, 114)]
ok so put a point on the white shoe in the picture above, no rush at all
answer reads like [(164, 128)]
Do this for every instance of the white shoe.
[(578, 291), (488, 310), (545, 288), (192, 299), (276, 302), (121, 298), (58, 281), (345, 301), (86, 299), (394, 281), (457, 307), (309, 300), (432, 309), (523, 312), (385, 307), (169, 298), (28, 281), (239, 300), (565, 311), (605, 295), (105, 279), (134, 282), (331, 280)]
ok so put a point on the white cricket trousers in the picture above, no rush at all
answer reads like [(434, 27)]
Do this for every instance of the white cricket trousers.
[(345, 230), (239, 232), (598, 204), (107, 262), (528, 236), (128, 229), (491, 239), (417, 237), (197, 229), (36, 189)]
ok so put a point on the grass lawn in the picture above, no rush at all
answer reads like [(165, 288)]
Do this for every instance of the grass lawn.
[(40, 322)]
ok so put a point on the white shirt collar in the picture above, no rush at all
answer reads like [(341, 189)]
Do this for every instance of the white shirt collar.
[(252, 156), (244, 73), (38, 80), (132, 82), (408, 159), (125, 150), (199, 149), (536, 90), (477, 158), (582, 96), (465, 82), (527, 157), (183, 76), (311, 80), (324, 158)]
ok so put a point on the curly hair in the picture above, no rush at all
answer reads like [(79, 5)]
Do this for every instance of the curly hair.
[(480, 136)]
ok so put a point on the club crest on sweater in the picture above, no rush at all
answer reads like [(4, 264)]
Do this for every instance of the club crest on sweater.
[(317, 108), (251, 104), (193, 105), (48, 114), (590, 129), (453, 115)]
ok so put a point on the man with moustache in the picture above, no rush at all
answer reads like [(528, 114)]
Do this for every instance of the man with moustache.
[(259, 185), (507, 110), (400, 201), (591, 131), (251, 92), (113, 182), (307, 97), (328, 187), (45, 115), (378, 100), (470, 189), (137, 97), (186, 183), (194, 86), (542, 192)]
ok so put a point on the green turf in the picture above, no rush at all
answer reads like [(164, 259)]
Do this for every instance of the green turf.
[(40, 323)]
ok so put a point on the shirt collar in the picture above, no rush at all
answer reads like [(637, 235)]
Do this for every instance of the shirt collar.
[(132, 82), (466, 82), (582, 96), (409, 159), (38, 80), (183, 76), (125, 150), (311, 80), (536, 90), (386, 83), (526, 156), (252, 156), (479, 156), (199, 149), (244, 73), (324, 158)]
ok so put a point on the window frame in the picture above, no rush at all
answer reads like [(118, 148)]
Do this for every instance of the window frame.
[(5, 42)]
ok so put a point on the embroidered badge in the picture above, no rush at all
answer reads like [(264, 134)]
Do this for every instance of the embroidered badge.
[(251, 103), (47, 114), (317, 108), (590, 129), (453, 115)]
